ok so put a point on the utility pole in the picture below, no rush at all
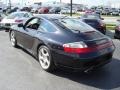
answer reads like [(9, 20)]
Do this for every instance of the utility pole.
[(70, 7), (10, 4)]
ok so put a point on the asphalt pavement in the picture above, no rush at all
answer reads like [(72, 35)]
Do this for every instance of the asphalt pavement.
[(20, 71)]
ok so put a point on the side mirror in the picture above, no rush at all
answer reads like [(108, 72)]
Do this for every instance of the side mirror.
[(20, 25)]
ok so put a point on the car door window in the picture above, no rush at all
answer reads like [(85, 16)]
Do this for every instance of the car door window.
[(33, 24), (47, 26)]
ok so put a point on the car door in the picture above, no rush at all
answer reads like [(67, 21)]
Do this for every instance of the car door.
[(26, 36)]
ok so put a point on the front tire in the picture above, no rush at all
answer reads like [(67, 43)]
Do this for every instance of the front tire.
[(45, 59), (13, 39)]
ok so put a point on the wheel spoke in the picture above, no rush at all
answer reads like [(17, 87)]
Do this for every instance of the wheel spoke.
[(40, 57), (47, 61)]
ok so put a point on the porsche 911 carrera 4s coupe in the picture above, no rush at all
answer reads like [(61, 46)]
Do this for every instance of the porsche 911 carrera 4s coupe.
[(57, 40)]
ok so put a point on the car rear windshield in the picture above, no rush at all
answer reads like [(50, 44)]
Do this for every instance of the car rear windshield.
[(73, 25), (92, 16)]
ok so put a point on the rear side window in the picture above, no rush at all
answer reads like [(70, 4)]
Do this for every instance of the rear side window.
[(74, 25), (47, 26)]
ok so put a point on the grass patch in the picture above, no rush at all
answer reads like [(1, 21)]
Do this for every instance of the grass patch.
[(109, 16), (110, 26), (74, 14), (78, 14)]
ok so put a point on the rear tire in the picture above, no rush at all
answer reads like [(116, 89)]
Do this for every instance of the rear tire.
[(45, 59)]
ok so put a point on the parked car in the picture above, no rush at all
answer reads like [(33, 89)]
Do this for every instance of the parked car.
[(2, 15), (55, 10), (34, 10), (67, 11), (13, 10), (57, 40), (117, 30), (98, 11), (119, 10), (106, 12), (95, 21), (93, 8), (1, 10), (15, 18), (89, 11), (115, 13), (112, 9), (43, 10), (27, 9)]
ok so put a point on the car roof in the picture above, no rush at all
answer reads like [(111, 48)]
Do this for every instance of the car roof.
[(94, 14), (97, 17), (50, 16)]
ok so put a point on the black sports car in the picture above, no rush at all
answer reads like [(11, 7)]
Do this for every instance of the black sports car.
[(95, 21), (57, 40)]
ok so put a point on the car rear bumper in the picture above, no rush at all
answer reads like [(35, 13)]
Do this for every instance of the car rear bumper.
[(83, 62), (88, 63)]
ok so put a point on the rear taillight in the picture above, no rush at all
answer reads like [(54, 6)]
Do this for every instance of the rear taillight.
[(81, 47), (18, 21), (76, 47)]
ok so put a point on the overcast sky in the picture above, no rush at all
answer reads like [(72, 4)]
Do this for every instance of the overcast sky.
[(87, 2)]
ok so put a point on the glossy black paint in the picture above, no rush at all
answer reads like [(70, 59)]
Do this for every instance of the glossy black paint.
[(32, 39)]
